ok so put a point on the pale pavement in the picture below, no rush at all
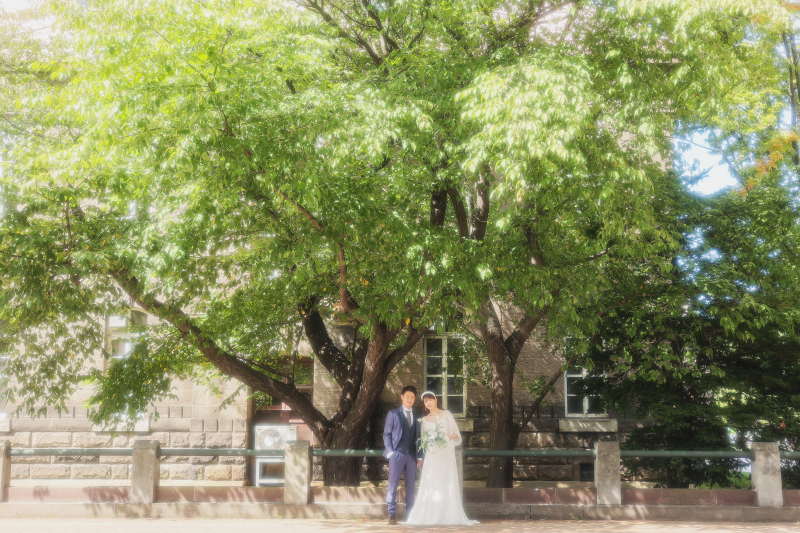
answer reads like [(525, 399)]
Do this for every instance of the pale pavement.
[(119, 525)]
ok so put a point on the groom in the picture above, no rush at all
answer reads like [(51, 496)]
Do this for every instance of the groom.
[(400, 442)]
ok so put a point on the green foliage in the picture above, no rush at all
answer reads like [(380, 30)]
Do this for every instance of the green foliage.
[(712, 356), (239, 161)]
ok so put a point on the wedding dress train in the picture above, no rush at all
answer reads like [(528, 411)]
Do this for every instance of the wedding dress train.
[(438, 500)]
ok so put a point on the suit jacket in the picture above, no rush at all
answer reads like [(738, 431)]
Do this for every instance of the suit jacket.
[(393, 430)]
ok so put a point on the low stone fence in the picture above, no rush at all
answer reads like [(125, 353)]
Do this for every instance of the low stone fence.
[(607, 499)]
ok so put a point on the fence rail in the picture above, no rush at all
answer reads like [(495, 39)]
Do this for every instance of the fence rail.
[(172, 452), (61, 452), (765, 459)]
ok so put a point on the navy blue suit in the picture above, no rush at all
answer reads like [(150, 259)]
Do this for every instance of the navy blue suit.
[(400, 446)]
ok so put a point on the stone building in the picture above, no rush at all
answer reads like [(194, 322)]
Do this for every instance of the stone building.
[(197, 417), (564, 421), (194, 418)]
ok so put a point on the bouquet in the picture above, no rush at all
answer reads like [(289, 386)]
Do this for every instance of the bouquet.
[(432, 438)]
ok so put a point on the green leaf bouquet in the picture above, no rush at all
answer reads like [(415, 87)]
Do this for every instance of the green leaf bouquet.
[(432, 438)]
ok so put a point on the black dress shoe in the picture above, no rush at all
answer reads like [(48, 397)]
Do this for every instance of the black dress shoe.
[(393, 520)]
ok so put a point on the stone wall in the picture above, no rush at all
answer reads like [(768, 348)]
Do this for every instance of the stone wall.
[(192, 420)]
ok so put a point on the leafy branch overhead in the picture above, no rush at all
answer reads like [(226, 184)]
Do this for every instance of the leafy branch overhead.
[(242, 170)]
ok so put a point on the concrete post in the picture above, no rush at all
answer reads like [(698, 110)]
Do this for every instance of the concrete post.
[(606, 473), (766, 474), (297, 472), (5, 470), (144, 471)]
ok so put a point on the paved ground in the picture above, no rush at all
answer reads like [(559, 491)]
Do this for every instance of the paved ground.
[(352, 526)]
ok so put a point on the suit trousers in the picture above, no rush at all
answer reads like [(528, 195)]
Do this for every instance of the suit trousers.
[(399, 462)]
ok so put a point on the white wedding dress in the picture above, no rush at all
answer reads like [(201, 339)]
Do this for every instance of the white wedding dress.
[(438, 500)]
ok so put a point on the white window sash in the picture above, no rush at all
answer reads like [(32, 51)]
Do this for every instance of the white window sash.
[(444, 375)]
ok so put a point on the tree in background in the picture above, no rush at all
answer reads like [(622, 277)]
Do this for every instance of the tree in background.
[(388, 163), (710, 352), (208, 164)]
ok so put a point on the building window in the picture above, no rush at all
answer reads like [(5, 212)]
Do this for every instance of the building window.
[(444, 371), (122, 332), (577, 404)]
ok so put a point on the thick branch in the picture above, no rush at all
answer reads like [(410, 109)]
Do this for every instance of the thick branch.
[(438, 207), (460, 211), (346, 300), (491, 326), (541, 396), (522, 332), (793, 97), (480, 217), (229, 364), (536, 257), (396, 355), (315, 6), (352, 384), (374, 16), (326, 351)]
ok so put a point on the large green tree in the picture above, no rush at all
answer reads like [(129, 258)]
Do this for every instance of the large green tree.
[(213, 166), (237, 167), (710, 352)]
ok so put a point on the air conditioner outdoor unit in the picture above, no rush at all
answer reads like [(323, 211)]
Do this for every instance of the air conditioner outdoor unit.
[(270, 470)]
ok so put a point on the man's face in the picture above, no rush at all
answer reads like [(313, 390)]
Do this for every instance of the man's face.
[(408, 398)]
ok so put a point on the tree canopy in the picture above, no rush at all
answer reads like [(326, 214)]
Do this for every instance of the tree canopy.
[(242, 168)]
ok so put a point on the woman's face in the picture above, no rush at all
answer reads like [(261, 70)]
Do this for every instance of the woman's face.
[(430, 402)]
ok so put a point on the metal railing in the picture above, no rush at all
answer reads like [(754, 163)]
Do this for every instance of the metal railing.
[(468, 452), (61, 452)]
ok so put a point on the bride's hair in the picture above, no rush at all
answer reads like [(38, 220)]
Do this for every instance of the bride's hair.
[(425, 410)]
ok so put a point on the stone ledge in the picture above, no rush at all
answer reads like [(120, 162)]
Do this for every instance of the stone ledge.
[(587, 425), (140, 426)]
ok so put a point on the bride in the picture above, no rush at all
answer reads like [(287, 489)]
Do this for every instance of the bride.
[(438, 499)]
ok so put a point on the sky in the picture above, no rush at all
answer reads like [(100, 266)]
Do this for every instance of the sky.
[(719, 176)]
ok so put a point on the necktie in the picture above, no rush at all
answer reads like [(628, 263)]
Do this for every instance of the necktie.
[(408, 417)]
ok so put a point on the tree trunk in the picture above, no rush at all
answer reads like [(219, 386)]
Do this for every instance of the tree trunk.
[(501, 471), (351, 433), (344, 471)]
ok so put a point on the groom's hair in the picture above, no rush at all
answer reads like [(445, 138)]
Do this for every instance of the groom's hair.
[(409, 388)]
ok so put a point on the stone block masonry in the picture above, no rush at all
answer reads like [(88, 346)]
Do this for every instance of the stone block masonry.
[(193, 420)]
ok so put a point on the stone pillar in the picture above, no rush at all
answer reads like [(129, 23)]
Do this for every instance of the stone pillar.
[(606, 473), (5, 470), (297, 472), (766, 474), (144, 471)]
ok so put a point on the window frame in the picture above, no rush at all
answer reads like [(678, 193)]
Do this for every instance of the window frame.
[(443, 374), (115, 334), (582, 373)]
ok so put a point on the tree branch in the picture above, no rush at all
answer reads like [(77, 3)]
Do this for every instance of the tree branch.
[(315, 6), (346, 301), (541, 396), (522, 332), (460, 211), (438, 207), (480, 217), (227, 363), (352, 384), (536, 258), (326, 351), (396, 355)]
